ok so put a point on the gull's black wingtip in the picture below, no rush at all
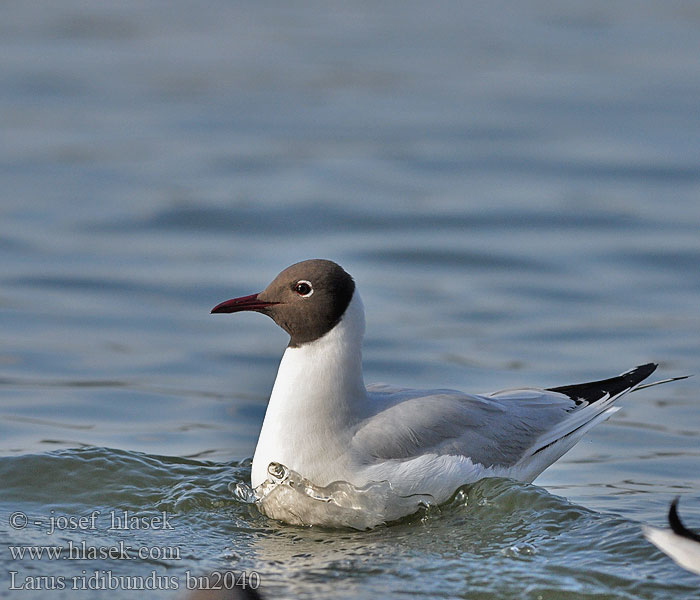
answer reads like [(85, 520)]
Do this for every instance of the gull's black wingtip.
[(595, 390), (677, 525), (673, 517), (641, 372)]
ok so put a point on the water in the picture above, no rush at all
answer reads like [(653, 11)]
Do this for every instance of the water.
[(515, 190)]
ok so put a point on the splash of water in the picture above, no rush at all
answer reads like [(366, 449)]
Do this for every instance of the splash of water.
[(289, 497)]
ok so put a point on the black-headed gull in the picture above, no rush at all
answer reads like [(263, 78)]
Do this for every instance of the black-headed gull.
[(679, 542), (323, 423)]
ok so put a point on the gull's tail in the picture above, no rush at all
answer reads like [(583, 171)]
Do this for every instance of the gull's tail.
[(593, 403), (653, 383)]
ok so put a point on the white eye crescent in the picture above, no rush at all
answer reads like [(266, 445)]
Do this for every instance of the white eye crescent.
[(304, 288)]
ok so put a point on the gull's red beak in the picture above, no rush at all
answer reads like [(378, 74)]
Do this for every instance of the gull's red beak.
[(244, 303)]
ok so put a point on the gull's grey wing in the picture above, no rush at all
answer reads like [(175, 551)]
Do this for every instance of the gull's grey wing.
[(494, 430), (491, 430)]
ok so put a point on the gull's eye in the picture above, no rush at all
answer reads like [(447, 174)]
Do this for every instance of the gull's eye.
[(303, 288)]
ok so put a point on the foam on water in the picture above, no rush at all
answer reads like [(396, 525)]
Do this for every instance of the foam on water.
[(289, 497)]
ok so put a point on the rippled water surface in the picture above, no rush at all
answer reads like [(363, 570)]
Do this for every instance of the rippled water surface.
[(516, 190)]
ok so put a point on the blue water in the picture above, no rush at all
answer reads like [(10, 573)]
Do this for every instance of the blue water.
[(516, 190)]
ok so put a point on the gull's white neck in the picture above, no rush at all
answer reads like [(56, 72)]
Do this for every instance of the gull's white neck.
[(318, 396)]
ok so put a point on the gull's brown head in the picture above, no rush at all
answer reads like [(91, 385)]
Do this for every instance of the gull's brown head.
[(307, 299)]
